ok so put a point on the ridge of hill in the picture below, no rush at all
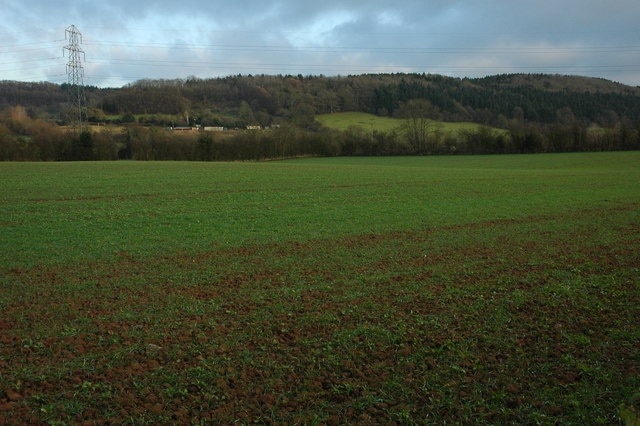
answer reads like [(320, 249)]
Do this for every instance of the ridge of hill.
[(239, 101), (557, 83)]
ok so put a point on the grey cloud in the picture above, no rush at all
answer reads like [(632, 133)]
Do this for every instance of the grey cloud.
[(461, 37)]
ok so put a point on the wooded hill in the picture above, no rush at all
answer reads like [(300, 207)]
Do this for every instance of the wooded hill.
[(538, 113), (238, 101)]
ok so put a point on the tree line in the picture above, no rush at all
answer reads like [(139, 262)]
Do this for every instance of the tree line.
[(23, 138)]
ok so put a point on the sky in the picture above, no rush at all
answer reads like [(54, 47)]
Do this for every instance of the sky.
[(123, 41)]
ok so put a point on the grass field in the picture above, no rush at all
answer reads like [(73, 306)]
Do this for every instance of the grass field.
[(407, 290), (344, 120)]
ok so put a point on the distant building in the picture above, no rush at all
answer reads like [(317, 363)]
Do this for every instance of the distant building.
[(184, 128), (254, 127), (213, 129)]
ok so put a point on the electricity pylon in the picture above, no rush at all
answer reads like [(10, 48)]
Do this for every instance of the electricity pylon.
[(75, 75)]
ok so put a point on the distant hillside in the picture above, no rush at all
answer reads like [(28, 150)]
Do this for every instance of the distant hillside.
[(372, 114), (238, 101)]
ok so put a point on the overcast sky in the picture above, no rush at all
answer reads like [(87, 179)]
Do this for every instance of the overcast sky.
[(126, 40)]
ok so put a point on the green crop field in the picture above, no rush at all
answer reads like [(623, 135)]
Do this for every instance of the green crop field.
[(406, 290), (344, 120)]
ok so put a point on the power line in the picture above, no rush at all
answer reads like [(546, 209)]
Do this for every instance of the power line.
[(335, 59), (75, 75), (378, 49)]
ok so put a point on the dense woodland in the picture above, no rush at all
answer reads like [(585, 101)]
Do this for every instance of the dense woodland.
[(540, 113)]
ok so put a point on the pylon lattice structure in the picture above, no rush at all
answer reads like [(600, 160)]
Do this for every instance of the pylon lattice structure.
[(75, 76)]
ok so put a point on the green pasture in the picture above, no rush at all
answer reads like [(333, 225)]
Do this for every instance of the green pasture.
[(368, 122), (62, 212), (402, 290)]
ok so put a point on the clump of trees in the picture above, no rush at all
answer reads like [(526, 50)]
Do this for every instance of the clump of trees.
[(23, 138)]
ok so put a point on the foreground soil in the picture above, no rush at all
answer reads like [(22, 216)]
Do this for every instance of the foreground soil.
[(527, 321)]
